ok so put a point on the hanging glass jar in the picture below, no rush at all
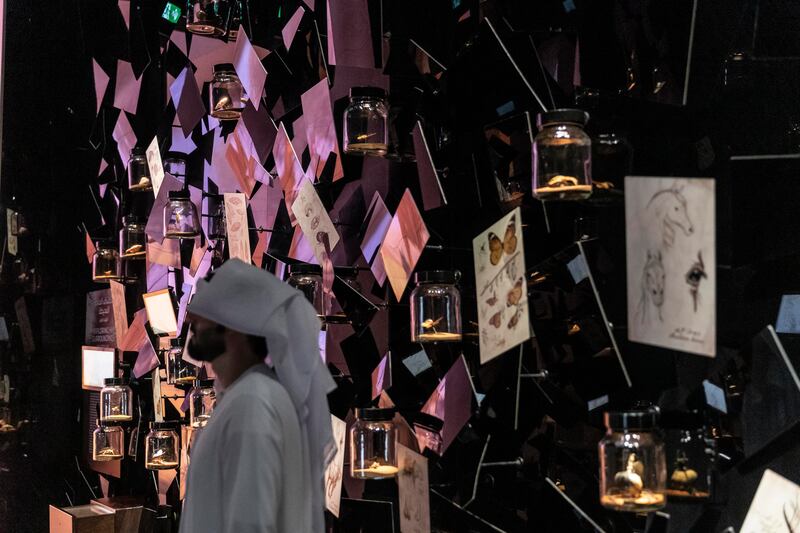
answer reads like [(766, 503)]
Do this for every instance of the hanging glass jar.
[(201, 403), (108, 442), (217, 224), (436, 307), (139, 171), (690, 458), (116, 401), (227, 93), (106, 265), (178, 370), (176, 167), (180, 216), (633, 467), (373, 443), (161, 449), (132, 239), (562, 156), (365, 122), (428, 430), (206, 17), (307, 278)]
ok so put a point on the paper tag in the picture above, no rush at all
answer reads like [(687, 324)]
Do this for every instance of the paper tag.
[(314, 219), (715, 396), (774, 506), (12, 239), (335, 470), (120, 310), (236, 223), (577, 267), (598, 402), (413, 490), (417, 363), (789, 314), (155, 164)]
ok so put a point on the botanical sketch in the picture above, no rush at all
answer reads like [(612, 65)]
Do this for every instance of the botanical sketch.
[(314, 220), (775, 507), (238, 234), (333, 474), (501, 288), (671, 263), (412, 482)]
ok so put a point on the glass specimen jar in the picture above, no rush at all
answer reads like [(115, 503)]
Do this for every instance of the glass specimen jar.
[(176, 166), (562, 156), (116, 401), (365, 122), (178, 370), (217, 224), (106, 265), (138, 171), (180, 216), (132, 239), (428, 430), (307, 278), (108, 442), (161, 449), (633, 467), (206, 17), (436, 307), (201, 403), (373, 442), (690, 462), (227, 94)]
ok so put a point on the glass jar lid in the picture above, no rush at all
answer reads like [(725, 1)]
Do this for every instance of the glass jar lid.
[(438, 276), (164, 424), (180, 194), (224, 67), (137, 151), (562, 116), (430, 422), (115, 381), (176, 342), (374, 414), (204, 383), (346, 272), (109, 423), (367, 92), (304, 268), (631, 420), (131, 219)]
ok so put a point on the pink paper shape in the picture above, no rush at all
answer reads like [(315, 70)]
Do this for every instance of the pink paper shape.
[(178, 38), (262, 129), (100, 84), (125, 10), (125, 137), (382, 376), (242, 158), (265, 204), (186, 97), (320, 128), (300, 139), (126, 93), (377, 227), (452, 401), (310, 4), (219, 170), (347, 77), (249, 68), (349, 34), (404, 243), (432, 192), (182, 143), (146, 361), (290, 29), (301, 249), (136, 333), (205, 52), (288, 168)]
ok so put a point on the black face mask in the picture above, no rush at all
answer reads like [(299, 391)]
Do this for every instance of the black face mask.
[(208, 344)]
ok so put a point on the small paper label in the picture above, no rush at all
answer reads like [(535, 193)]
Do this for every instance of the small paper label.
[(417, 363), (335, 470), (789, 314), (715, 396), (577, 267), (238, 234), (413, 491), (598, 402), (12, 239), (155, 165)]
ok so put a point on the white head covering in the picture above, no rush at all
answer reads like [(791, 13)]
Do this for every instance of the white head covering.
[(250, 300)]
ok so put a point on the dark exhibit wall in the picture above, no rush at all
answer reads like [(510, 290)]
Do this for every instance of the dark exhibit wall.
[(498, 279)]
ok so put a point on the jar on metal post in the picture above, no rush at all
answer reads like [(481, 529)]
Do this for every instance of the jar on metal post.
[(562, 156), (373, 443), (178, 370), (428, 430), (116, 401), (161, 448), (217, 223), (206, 17), (227, 96), (307, 278), (139, 171), (106, 265), (690, 459), (633, 467), (436, 307), (180, 216), (176, 167), (108, 442), (202, 400), (365, 122), (132, 239)]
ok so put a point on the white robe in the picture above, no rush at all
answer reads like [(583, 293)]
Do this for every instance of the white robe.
[(247, 469)]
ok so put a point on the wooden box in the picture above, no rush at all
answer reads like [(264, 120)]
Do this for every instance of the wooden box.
[(92, 518)]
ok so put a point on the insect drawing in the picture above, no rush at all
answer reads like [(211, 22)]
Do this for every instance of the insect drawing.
[(652, 286), (668, 208), (695, 274), (508, 245)]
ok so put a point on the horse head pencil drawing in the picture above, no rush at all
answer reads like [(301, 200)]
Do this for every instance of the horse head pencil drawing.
[(668, 206), (652, 288)]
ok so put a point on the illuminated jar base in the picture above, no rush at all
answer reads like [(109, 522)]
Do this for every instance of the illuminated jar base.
[(107, 276), (645, 501), (157, 464), (200, 421), (226, 114), (143, 185), (180, 235), (116, 418), (685, 494), (375, 471), (187, 379), (439, 337), (566, 192), (376, 149), (201, 29), (136, 251), (107, 454)]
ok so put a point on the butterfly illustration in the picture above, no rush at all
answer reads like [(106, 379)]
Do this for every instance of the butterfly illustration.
[(515, 294), (507, 245), (495, 320), (515, 319)]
